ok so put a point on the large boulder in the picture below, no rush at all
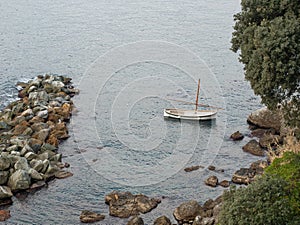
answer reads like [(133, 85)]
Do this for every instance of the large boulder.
[(125, 204), (265, 118), (187, 212), (19, 180), (254, 148)]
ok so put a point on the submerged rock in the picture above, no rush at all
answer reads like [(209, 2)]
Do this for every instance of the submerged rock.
[(90, 217), (125, 204)]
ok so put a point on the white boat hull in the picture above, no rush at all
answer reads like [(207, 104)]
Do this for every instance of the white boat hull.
[(190, 114)]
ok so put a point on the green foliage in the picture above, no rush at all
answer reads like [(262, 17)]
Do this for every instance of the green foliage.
[(264, 202), (288, 168), (267, 33)]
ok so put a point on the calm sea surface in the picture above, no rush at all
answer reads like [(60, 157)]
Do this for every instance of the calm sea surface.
[(119, 139)]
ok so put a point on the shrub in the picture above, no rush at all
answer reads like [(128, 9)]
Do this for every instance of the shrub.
[(265, 201)]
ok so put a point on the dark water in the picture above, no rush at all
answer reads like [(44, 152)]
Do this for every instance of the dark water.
[(119, 139)]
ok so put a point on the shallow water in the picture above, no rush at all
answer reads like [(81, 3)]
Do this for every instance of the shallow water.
[(119, 139)]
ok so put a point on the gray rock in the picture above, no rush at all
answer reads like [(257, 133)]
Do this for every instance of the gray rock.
[(52, 169), (18, 141), (48, 147), (42, 135), (30, 155), (34, 174), (198, 220), (3, 177), (21, 164), (25, 150), (4, 163), (46, 164), (163, 220), (135, 221), (56, 158), (254, 148), (38, 165), (5, 192), (43, 114), (38, 98), (187, 211), (27, 112), (15, 153), (19, 180), (46, 155), (12, 148)]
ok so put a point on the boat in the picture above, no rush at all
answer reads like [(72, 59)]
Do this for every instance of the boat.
[(185, 114)]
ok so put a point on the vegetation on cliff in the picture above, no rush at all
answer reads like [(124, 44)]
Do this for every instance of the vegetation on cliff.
[(267, 33)]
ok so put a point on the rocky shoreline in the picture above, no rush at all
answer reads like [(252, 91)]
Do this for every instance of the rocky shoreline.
[(31, 129)]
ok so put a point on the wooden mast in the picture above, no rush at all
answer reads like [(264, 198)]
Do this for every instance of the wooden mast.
[(197, 97)]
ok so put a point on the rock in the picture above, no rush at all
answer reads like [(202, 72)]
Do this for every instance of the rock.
[(3, 177), (136, 221), (30, 156), (208, 221), (5, 192), (35, 144), (254, 148), (46, 164), (21, 128), (4, 163), (63, 174), (187, 212), (37, 164), (41, 135), (48, 147), (37, 185), (224, 183), (56, 157), (38, 98), (212, 168), (21, 164), (90, 217), (259, 166), (19, 180), (6, 201), (198, 220), (125, 204), (211, 181), (236, 136), (163, 220), (12, 148), (43, 114), (52, 170), (34, 174), (192, 168), (268, 140), (37, 126), (243, 176), (259, 132), (4, 215), (25, 150), (264, 118), (27, 112)]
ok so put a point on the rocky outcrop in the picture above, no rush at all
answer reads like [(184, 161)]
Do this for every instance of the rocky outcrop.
[(254, 148), (125, 204), (90, 217), (265, 118), (30, 130), (269, 140)]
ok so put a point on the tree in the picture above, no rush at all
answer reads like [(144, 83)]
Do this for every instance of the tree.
[(267, 35)]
